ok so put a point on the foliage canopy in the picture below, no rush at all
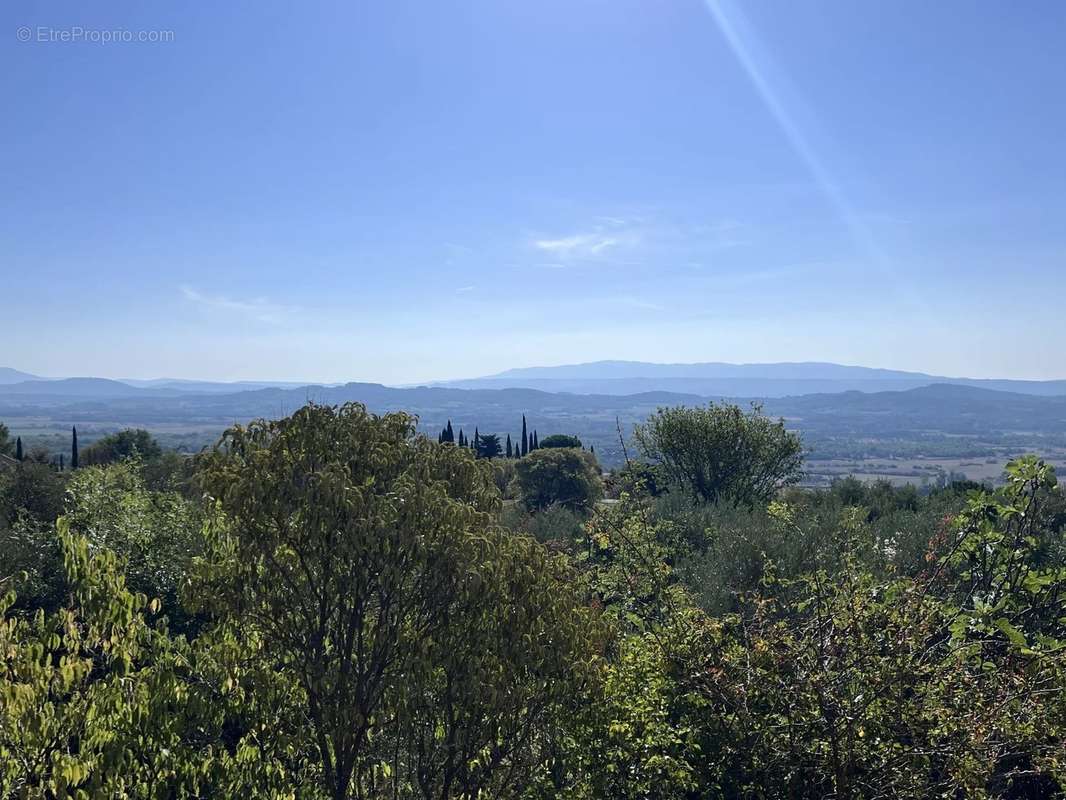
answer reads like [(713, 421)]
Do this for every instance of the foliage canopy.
[(720, 453)]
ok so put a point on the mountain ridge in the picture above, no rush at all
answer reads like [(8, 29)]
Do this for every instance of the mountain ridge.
[(713, 379), (9, 375), (722, 379)]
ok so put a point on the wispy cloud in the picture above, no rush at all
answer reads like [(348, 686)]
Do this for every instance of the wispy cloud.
[(581, 244), (645, 242), (259, 309), (605, 237), (464, 289)]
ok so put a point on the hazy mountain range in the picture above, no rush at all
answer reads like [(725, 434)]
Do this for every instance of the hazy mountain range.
[(710, 379), (858, 412), (13, 380), (714, 379)]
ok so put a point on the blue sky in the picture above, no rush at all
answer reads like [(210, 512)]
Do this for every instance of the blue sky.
[(402, 191)]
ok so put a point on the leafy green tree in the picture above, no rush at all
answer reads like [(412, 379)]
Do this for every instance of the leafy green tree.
[(154, 534), (435, 654), (100, 701), (560, 440), (67, 679), (721, 454), (562, 476), (488, 445), (1007, 562), (633, 738), (129, 443)]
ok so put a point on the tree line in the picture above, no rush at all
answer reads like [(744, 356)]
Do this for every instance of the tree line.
[(109, 448), (488, 445)]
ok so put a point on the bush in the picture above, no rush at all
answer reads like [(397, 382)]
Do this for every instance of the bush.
[(719, 453), (558, 476)]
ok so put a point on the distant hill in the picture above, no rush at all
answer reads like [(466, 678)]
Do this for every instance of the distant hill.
[(807, 370), (944, 408), (8, 375), (210, 386), (79, 388), (27, 384), (715, 379)]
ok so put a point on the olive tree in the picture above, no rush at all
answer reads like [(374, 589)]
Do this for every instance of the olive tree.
[(721, 453)]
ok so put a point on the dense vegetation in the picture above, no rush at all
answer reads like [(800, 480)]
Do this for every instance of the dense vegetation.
[(333, 606)]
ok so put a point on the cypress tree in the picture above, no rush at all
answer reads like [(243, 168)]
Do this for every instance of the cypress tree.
[(477, 442), (449, 435), (60, 462), (73, 447), (18, 448), (536, 441), (525, 436), (508, 448)]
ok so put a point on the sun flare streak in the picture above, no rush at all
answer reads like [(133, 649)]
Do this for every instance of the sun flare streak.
[(742, 42)]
